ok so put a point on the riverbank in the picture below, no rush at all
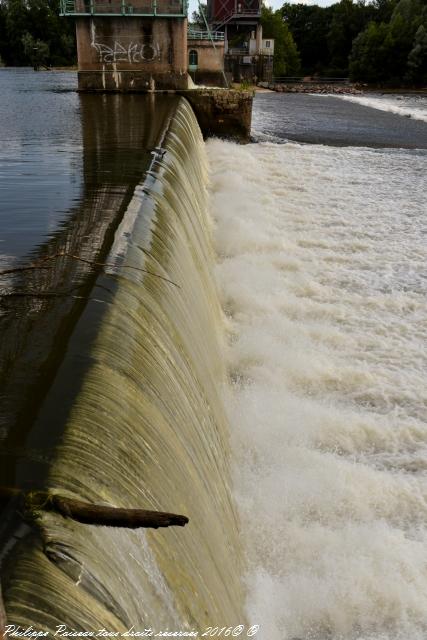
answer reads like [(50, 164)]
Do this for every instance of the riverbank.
[(311, 87), (337, 88)]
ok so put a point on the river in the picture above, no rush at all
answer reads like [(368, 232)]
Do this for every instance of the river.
[(319, 228), (322, 267)]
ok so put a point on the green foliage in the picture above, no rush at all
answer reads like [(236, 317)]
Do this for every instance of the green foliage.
[(286, 61), (197, 21), (32, 33), (377, 41), (309, 25), (393, 51), (417, 58), (348, 19), (370, 56), (36, 51)]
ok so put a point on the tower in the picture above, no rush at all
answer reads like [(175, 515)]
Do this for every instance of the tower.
[(240, 21), (130, 45)]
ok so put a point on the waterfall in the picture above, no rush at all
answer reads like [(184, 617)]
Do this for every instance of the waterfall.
[(134, 418)]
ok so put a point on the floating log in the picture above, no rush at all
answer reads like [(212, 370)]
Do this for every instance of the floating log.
[(37, 501)]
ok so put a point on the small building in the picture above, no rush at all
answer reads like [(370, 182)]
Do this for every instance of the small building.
[(247, 56), (206, 58), (266, 48)]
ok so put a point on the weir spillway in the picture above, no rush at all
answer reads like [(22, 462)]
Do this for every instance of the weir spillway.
[(126, 407)]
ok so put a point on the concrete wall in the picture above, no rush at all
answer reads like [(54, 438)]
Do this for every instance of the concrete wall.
[(210, 62), (210, 58), (224, 113), (259, 68), (132, 53)]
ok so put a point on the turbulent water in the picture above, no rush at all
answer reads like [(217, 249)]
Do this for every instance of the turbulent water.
[(115, 389), (322, 265), (408, 105)]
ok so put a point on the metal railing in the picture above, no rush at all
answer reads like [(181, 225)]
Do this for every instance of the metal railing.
[(205, 35), (238, 51), (166, 8)]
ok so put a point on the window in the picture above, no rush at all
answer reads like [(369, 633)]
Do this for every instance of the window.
[(267, 44), (193, 58)]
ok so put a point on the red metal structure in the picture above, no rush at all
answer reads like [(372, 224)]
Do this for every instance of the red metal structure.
[(220, 11)]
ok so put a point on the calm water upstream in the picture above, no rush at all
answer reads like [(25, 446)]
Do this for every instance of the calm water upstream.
[(41, 173), (69, 165), (321, 250)]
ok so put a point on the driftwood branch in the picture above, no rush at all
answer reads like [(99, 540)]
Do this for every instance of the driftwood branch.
[(39, 265), (113, 516), (37, 501)]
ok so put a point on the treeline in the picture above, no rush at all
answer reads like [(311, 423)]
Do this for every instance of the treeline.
[(383, 41), (32, 33)]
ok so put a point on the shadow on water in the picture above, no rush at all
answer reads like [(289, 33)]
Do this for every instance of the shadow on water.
[(40, 307), (127, 407)]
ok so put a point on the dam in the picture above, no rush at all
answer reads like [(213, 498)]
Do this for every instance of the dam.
[(230, 333), (111, 390)]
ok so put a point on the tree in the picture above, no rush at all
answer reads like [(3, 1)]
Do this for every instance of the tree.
[(309, 25), (348, 19), (392, 52), (36, 51), (17, 23), (39, 20), (286, 61), (370, 56), (197, 19), (417, 58)]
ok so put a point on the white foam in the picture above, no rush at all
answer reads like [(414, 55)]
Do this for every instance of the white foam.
[(322, 270), (410, 106)]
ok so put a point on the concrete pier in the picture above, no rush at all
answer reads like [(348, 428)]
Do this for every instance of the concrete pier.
[(225, 113), (141, 47), (131, 54)]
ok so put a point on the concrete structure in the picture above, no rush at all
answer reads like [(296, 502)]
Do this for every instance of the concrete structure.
[(247, 55), (135, 45), (253, 60), (265, 48), (141, 46), (206, 58), (239, 19), (135, 54), (224, 113)]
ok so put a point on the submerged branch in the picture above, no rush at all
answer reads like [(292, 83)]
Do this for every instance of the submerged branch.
[(62, 254), (37, 501)]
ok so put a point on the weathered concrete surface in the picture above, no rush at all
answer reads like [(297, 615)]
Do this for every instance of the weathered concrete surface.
[(210, 57), (225, 113), (131, 54), (210, 64), (130, 81)]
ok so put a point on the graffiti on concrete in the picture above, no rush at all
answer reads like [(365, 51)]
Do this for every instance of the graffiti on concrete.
[(132, 53)]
